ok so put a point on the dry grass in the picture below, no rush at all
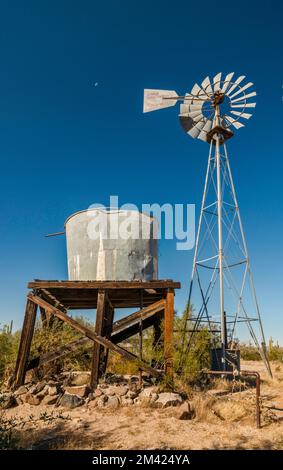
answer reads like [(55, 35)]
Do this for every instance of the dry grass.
[(221, 422)]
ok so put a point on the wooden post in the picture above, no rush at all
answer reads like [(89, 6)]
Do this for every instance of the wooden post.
[(157, 343), (108, 327), (99, 329), (25, 343), (168, 334)]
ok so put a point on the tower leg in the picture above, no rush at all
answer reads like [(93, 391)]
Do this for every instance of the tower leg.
[(25, 343), (168, 334), (220, 249)]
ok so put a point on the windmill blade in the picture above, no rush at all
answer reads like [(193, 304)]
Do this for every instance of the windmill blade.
[(205, 130), (242, 115), (186, 122), (154, 99), (196, 130), (195, 107), (206, 85), (248, 85), (196, 90), (216, 82), (199, 93), (244, 105), (234, 123), (184, 108), (195, 114), (227, 81), (237, 82), (244, 97)]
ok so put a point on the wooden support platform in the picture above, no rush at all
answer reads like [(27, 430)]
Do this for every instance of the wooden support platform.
[(55, 298)]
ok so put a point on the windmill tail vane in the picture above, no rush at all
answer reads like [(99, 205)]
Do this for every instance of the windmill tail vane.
[(221, 289)]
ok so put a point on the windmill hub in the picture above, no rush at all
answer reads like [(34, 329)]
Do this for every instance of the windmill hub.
[(218, 98)]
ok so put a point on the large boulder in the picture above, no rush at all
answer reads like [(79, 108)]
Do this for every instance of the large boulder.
[(166, 399), (101, 401), (21, 391), (97, 393), (112, 402), (132, 394), (126, 401), (43, 392), (49, 400), (37, 388), (80, 378), (80, 390), (118, 390), (148, 396), (53, 390), (30, 399), (70, 401), (148, 392)]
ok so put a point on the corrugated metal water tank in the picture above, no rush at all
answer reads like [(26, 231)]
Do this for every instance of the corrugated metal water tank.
[(112, 245)]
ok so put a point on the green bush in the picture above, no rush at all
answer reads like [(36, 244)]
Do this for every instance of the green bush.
[(197, 356), (8, 350)]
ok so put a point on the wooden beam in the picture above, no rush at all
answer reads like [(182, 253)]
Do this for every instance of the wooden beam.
[(25, 343), (142, 313), (122, 330), (92, 335), (165, 284), (168, 334)]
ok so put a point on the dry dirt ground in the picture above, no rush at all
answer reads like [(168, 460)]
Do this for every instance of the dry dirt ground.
[(226, 422)]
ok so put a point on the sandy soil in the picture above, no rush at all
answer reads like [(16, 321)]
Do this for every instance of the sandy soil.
[(145, 428)]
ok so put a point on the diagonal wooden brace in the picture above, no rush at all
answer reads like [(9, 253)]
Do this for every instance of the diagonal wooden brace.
[(122, 330), (92, 335)]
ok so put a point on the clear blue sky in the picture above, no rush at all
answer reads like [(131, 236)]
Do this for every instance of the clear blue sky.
[(65, 144)]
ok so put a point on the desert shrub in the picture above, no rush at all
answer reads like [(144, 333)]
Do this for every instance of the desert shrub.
[(8, 350), (197, 356), (249, 352), (45, 339), (56, 335), (195, 359)]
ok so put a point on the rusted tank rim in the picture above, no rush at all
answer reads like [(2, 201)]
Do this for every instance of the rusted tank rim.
[(108, 210)]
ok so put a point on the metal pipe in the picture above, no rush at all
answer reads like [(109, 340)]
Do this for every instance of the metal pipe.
[(55, 234), (245, 373)]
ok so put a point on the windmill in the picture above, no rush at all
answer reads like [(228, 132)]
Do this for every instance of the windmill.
[(221, 286)]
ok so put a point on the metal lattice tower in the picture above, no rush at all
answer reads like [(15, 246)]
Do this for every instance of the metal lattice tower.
[(221, 288)]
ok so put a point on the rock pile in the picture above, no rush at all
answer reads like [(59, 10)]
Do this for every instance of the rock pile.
[(71, 390)]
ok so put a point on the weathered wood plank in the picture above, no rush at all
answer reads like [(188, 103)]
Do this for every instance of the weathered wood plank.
[(25, 343), (99, 330), (161, 284), (168, 334), (143, 313), (120, 332)]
